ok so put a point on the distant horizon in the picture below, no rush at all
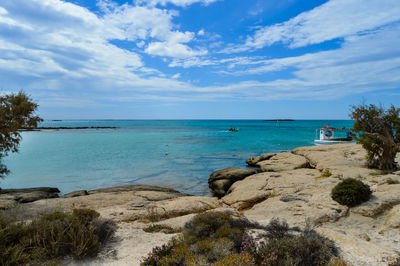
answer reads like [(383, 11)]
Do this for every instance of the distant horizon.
[(200, 119)]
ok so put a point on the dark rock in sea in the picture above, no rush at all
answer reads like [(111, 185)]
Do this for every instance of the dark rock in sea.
[(254, 160), (132, 188), (75, 194), (24, 195), (280, 120), (221, 180)]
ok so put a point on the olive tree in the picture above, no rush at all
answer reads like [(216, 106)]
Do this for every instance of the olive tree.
[(16, 111), (378, 131)]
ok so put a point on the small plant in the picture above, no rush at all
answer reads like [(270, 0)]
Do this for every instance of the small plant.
[(326, 173), (166, 229), (351, 192)]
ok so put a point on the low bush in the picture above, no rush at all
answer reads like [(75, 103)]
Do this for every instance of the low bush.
[(52, 237), (351, 192), (218, 239)]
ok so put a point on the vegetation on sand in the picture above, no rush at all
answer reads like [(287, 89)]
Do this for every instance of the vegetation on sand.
[(52, 237), (217, 239)]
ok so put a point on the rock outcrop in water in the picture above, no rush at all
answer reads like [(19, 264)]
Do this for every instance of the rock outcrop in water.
[(10, 197), (294, 186), (221, 180)]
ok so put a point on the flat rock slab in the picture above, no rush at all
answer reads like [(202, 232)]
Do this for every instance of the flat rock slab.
[(359, 252), (382, 200), (283, 161), (166, 209)]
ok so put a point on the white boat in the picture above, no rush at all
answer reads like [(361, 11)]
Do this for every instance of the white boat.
[(327, 135)]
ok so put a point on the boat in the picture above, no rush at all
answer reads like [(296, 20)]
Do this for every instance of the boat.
[(330, 135)]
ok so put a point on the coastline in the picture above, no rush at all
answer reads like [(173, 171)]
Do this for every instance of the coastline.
[(288, 185)]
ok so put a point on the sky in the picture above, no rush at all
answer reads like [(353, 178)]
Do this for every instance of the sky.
[(201, 59)]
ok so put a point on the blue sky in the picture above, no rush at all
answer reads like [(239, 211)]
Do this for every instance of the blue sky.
[(200, 59)]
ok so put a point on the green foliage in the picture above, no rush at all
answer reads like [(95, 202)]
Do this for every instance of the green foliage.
[(16, 112), (351, 192), (218, 239), (53, 236), (379, 133), (166, 229)]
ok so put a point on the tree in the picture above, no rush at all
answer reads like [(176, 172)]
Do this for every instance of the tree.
[(378, 131), (16, 111)]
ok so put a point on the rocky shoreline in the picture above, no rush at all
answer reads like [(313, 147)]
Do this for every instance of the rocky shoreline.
[(294, 186)]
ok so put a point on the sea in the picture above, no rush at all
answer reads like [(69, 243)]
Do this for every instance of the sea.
[(180, 154)]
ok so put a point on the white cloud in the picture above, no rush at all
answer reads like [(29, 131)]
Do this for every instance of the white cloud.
[(201, 32), (138, 23), (334, 19), (176, 76), (171, 49)]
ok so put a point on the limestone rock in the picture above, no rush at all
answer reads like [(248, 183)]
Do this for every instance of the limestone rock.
[(254, 160), (245, 193), (166, 209), (393, 218), (283, 161), (383, 199), (358, 251), (75, 194), (221, 180)]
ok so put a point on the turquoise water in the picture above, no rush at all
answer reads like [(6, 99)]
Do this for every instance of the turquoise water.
[(176, 154)]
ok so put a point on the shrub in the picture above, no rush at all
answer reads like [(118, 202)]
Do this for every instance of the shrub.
[(286, 245), (379, 133), (351, 192), (52, 237), (218, 239)]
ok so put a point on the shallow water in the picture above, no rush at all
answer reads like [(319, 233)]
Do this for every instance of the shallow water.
[(177, 154)]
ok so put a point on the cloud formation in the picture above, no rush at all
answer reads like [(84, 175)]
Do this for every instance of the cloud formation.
[(334, 19), (68, 55)]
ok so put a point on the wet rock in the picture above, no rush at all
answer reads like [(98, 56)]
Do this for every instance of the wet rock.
[(221, 180)]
